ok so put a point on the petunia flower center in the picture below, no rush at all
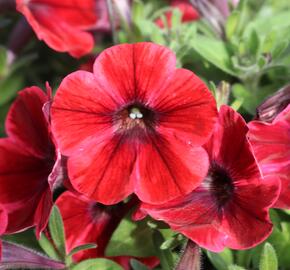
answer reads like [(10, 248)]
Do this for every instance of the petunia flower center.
[(135, 117), (220, 184), (135, 113)]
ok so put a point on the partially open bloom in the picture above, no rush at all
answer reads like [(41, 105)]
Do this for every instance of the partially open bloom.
[(27, 158), (64, 25), (92, 222), (230, 207), (271, 144), (188, 13), (134, 125), (16, 256), (273, 105)]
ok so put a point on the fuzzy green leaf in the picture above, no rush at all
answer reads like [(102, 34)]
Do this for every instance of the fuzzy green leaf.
[(268, 260), (131, 239), (215, 52), (82, 247), (48, 247), (93, 264), (56, 230)]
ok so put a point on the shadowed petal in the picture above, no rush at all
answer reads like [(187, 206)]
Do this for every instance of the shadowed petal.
[(23, 182), (237, 157), (26, 124), (170, 167), (250, 211)]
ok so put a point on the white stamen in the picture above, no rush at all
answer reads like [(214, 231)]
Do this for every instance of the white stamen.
[(135, 113)]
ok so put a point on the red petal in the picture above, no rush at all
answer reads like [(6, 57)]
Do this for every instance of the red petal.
[(42, 212), (62, 26), (3, 221), (102, 167), (185, 8), (187, 108), (26, 124), (206, 236), (271, 144), (197, 208), (237, 157), (188, 12), (80, 227), (247, 221), (284, 198), (283, 117), (89, 223), (174, 172), (81, 109), (23, 183), (132, 71)]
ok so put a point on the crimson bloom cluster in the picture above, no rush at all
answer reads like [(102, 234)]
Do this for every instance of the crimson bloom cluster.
[(140, 129)]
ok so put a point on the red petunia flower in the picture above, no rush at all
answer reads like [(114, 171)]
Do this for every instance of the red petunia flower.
[(271, 144), (64, 24), (27, 158), (92, 222), (188, 13), (134, 125), (230, 207)]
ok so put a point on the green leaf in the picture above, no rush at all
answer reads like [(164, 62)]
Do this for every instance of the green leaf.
[(9, 87), (214, 51), (253, 43), (3, 60), (172, 242), (93, 264), (175, 18), (268, 260), (221, 260), (269, 42), (280, 48), (82, 247), (271, 22), (48, 247), (232, 23), (275, 219), (26, 238), (136, 265), (241, 93), (56, 230), (131, 239), (235, 267), (244, 257)]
